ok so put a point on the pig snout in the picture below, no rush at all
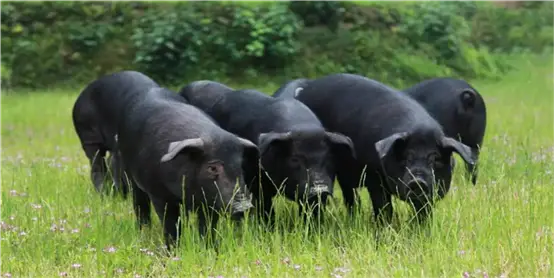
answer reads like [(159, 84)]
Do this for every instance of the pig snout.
[(241, 204), (418, 187), (319, 188)]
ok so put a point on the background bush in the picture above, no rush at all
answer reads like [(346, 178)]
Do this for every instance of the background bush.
[(51, 43)]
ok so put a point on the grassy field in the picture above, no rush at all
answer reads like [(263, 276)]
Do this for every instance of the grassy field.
[(55, 224)]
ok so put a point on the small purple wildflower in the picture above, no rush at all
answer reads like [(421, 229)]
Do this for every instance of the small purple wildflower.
[(36, 206), (258, 262), (76, 265), (110, 249), (341, 269), (318, 268), (219, 276), (7, 227), (87, 210), (485, 275), (466, 274), (74, 231), (296, 267), (461, 252), (7, 274), (63, 274)]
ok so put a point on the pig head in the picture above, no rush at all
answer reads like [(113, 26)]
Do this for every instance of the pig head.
[(301, 161)]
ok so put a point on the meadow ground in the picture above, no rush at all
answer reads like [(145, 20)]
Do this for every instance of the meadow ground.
[(55, 224)]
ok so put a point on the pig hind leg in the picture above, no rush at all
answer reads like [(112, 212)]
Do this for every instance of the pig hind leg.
[(141, 205)]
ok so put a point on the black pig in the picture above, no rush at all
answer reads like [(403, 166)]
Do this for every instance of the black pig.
[(173, 153), (394, 137), (459, 108), (294, 146), (95, 117)]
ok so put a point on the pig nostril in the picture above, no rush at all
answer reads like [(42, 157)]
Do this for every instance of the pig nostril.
[(319, 190)]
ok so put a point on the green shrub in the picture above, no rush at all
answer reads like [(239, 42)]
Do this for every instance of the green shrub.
[(197, 37), (529, 27), (437, 24), (316, 13), (49, 42), (382, 16), (45, 43)]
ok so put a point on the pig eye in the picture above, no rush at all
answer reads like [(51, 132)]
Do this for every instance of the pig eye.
[(212, 169), (434, 159), (294, 161)]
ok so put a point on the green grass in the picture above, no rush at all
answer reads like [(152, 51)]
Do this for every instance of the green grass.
[(501, 227)]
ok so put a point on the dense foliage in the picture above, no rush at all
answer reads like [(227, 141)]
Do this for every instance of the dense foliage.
[(47, 43)]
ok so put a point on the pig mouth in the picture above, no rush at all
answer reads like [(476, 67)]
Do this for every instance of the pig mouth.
[(318, 192), (418, 194), (239, 208)]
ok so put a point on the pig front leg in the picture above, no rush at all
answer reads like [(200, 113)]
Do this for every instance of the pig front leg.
[(168, 213), (207, 221), (141, 205)]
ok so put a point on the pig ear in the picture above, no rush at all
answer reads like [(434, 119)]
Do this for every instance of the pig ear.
[(176, 147), (467, 96), (384, 146), (266, 139), (464, 151), (297, 91), (247, 143), (250, 149), (338, 139)]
